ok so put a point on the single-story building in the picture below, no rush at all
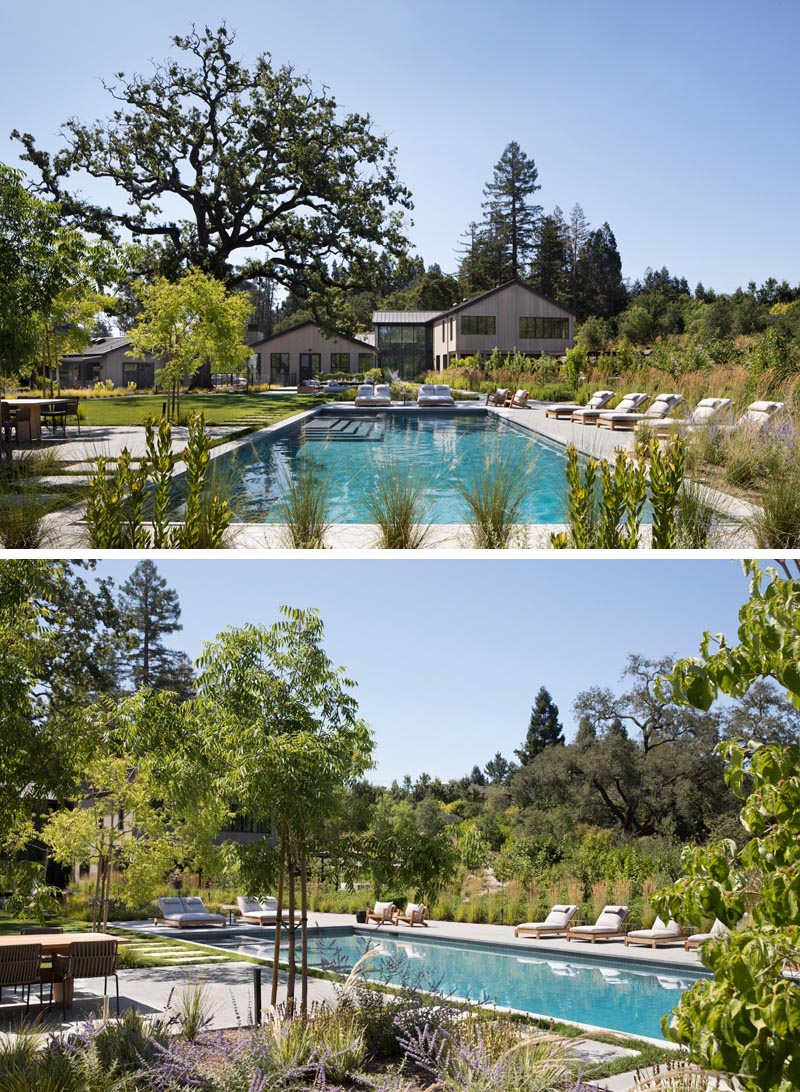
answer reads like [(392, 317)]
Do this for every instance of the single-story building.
[(510, 317), (304, 351), (107, 358)]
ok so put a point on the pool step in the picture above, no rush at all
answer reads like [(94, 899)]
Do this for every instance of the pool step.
[(344, 428)]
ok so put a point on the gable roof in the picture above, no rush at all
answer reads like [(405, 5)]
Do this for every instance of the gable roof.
[(309, 322), (501, 288), (388, 318)]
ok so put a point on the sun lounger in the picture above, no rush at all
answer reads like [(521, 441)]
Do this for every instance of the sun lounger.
[(380, 395), (610, 925), (187, 913), (661, 407), (566, 409), (658, 935), (556, 922), (498, 397), (438, 395), (382, 912), (629, 404), (759, 415), (414, 914), (696, 939), (706, 412), (262, 911), (519, 401)]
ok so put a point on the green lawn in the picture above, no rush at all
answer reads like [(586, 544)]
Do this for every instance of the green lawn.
[(245, 410)]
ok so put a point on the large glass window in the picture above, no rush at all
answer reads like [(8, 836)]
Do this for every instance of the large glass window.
[(478, 324), (406, 336), (340, 362), (279, 369), (366, 361), (544, 329)]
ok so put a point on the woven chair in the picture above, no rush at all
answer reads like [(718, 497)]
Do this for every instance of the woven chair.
[(20, 966), (87, 959)]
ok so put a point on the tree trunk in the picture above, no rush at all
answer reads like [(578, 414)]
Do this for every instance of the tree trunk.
[(290, 985), (303, 934), (277, 947), (97, 890)]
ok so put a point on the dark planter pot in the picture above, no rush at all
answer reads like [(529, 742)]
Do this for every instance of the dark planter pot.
[(361, 916)]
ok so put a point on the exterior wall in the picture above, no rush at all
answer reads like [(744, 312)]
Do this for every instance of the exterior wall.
[(507, 307), (85, 371), (310, 340)]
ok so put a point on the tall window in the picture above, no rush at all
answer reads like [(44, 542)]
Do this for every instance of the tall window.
[(340, 362), (366, 361), (544, 329), (478, 324)]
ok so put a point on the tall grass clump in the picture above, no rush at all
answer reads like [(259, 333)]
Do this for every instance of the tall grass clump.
[(776, 524), (22, 504), (398, 502), (494, 492), (305, 506)]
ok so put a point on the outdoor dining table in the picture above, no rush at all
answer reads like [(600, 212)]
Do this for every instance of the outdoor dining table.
[(36, 406), (55, 944)]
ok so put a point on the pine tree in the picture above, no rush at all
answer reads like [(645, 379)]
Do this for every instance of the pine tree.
[(544, 728), (498, 769), (601, 290), (550, 269), (150, 611), (509, 211), (578, 234)]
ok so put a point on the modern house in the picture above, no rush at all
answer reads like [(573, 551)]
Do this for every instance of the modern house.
[(303, 351), (107, 358), (511, 316)]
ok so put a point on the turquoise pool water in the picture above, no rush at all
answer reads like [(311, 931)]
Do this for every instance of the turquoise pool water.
[(625, 997), (356, 451)]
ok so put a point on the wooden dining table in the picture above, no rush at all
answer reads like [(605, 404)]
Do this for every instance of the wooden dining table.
[(55, 944), (36, 406)]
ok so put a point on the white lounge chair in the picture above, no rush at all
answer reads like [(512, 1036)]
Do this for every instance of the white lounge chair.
[(380, 395), (519, 401), (438, 395), (261, 911), (656, 936), (566, 409), (707, 411), (759, 415), (414, 914), (187, 913), (498, 397), (718, 929), (556, 922), (610, 925), (631, 403), (661, 407), (383, 913)]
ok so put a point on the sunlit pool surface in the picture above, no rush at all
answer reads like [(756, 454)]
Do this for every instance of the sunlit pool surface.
[(356, 450), (622, 995)]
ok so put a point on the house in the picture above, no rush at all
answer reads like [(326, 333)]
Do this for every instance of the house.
[(511, 316), (107, 358), (304, 351)]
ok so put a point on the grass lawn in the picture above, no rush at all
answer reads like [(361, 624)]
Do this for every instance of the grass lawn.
[(244, 410)]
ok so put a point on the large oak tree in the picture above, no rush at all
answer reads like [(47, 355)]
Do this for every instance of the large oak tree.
[(241, 172)]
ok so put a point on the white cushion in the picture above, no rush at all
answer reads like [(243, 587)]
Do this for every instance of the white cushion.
[(426, 388), (171, 907), (247, 904), (381, 907), (270, 904), (442, 390), (557, 917), (599, 399), (383, 390)]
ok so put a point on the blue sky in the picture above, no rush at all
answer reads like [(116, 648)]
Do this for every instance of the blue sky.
[(449, 654), (675, 122)]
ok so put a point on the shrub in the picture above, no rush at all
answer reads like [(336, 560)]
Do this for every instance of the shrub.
[(305, 506), (494, 494), (399, 503)]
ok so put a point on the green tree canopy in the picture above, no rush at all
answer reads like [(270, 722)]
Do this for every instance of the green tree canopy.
[(544, 728), (267, 178), (150, 611), (509, 209)]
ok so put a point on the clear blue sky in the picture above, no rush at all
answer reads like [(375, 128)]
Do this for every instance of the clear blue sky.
[(675, 122), (449, 654)]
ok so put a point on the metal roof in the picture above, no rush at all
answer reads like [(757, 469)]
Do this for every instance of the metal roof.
[(389, 318), (100, 346)]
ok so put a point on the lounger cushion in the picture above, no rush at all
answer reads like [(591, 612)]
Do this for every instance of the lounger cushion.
[(248, 905), (171, 907), (427, 388), (599, 399), (560, 916), (612, 917), (381, 907)]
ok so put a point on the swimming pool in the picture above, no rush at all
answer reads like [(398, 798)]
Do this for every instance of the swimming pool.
[(621, 995), (356, 449)]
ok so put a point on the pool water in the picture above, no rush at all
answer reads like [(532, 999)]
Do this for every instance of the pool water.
[(356, 450), (621, 995)]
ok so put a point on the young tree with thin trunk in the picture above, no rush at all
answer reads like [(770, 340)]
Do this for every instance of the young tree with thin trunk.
[(278, 725)]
